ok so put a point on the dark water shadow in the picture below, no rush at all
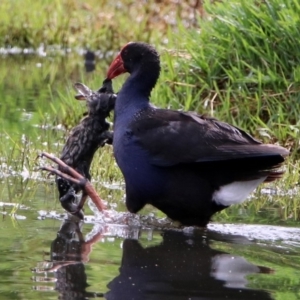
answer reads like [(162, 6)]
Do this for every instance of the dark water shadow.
[(182, 266), (69, 252)]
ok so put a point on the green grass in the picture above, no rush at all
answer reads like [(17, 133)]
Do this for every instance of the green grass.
[(92, 23), (238, 63), (242, 67)]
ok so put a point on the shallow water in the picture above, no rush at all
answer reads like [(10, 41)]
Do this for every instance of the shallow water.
[(44, 255)]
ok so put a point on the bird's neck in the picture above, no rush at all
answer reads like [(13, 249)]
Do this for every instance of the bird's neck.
[(135, 93)]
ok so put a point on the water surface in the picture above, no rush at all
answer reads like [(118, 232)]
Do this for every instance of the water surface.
[(44, 257)]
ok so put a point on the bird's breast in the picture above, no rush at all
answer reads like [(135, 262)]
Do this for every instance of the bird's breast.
[(140, 175), (129, 155)]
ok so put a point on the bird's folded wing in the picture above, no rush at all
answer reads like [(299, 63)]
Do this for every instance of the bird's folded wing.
[(172, 137)]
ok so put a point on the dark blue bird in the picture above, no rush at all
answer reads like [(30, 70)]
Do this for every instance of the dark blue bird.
[(187, 165)]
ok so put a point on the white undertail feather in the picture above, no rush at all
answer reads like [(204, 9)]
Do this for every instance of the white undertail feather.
[(235, 192)]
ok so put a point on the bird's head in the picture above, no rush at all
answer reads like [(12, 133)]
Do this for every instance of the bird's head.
[(133, 56)]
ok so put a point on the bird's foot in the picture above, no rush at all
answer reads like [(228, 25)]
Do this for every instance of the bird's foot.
[(70, 174)]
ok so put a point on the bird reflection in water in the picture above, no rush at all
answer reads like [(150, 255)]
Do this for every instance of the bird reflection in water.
[(182, 266), (68, 253)]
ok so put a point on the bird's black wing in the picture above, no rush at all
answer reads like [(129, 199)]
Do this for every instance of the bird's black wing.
[(172, 137)]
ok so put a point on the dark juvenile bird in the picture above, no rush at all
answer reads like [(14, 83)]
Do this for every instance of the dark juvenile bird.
[(81, 145), (187, 165)]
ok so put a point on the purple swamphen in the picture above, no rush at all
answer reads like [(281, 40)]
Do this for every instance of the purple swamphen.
[(187, 165)]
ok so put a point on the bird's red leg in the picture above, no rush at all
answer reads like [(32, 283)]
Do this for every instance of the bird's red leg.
[(60, 174), (91, 192), (72, 175)]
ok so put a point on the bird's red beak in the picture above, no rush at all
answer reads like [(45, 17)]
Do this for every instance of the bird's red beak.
[(116, 68)]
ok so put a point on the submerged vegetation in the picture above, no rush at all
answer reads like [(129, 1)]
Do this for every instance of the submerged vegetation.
[(235, 60)]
